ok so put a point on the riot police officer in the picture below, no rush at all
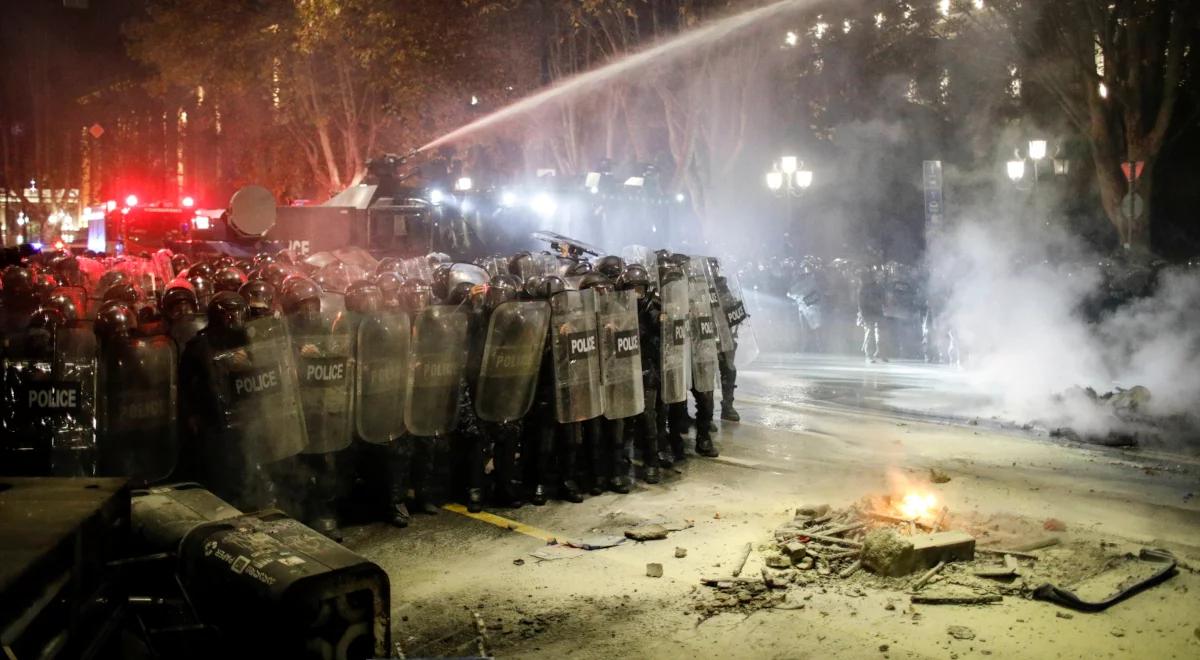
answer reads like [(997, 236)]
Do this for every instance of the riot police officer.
[(325, 371), (645, 427)]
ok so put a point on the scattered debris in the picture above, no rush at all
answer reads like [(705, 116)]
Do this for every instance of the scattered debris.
[(518, 562), (960, 632), (654, 570), (777, 561), (741, 563), (1064, 615), (924, 579), (1123, 579), (555, 552), (1040, 544), (597, 542), (890, 554), (937, 476), (680, 553), (956, 600), (1054, 525), (651, 532)]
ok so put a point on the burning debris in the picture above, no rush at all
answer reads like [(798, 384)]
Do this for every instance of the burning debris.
[(911, 543)]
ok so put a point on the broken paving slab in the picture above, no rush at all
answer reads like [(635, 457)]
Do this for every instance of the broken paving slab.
[(599, 542), (655, 531), (887, 553)]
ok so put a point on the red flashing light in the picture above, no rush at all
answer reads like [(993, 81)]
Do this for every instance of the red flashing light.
[(58, 245), (188, 202), (111, 205), (131, 200)]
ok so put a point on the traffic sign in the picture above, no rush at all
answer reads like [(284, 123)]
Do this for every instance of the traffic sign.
[(1132, 170), (1132, 206)]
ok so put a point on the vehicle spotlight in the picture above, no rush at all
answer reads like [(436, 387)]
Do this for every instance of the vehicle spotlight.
[(679, 197), (436, 197), (463, 184), (544, 205), (131, 200), (188, 202), (508, 198)]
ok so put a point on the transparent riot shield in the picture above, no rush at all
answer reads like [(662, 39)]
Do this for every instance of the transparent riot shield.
[(257, 394), (578, 393), (701, 268), (620, 353), (381, 382), (49, 397), (676, 369), (138, 404), (733, 305), (512, 354), (438, 365), (704, 331), (325, 372)]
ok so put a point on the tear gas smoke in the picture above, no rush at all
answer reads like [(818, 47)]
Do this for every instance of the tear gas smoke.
[(1017, 301)]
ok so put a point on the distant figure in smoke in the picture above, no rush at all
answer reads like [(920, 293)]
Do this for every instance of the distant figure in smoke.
[(870, 313)]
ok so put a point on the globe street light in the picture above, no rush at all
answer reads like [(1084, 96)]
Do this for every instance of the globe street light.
[(787, 177), (1016, 170)]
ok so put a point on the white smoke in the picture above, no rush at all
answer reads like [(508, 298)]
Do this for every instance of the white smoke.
[(1014, 299)]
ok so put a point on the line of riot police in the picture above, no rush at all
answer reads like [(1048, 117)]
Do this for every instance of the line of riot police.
[(288, 383)]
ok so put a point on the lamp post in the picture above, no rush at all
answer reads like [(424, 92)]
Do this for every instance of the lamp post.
[(788, 179)]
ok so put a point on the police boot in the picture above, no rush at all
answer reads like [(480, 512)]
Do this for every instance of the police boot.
[(704, 445), (322, 516), (474, 500), (538, 497), (593, 439), (728, 413), (568, 489), (397, 507), (507, 488)]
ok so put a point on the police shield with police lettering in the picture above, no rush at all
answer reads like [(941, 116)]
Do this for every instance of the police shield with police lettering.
[(438, 363), (48, 417), (704, 329), (326, 376), (620, 353), (676, 372), (578, 392), (512, 353), (382, 376), (257, 395), (138, 423)]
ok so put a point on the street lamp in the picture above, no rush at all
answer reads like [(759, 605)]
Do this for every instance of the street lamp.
[(1037, 151), (788, 177), (1016, 170)]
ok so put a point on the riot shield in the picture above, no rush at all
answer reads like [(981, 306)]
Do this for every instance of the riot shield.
[(438, 363), (138, 403), (257, 394), (733, 304), (578, 394), (512, 353), (381, 381), (325, 372), (620, 353), (704, 330), (676, 369), (49, 417), (701, 269)]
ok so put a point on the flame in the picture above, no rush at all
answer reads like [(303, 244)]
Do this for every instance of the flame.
[(915, 506)]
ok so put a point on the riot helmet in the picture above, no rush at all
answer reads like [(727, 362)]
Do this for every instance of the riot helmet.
[(228, 312), (260, 297), (64, 305), (124, 292), (179, 301), (389, 284), (610, 266), (594, 280), (387, 265), (634, 277), (364, 297), (301, 295), (115, 319), (578, 268), (415, 295), (202, 287), (229, 279), (202, 268)]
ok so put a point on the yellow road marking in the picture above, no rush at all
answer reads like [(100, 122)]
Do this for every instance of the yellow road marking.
[(504, 523)]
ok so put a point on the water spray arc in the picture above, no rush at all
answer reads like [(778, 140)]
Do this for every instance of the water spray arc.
[(665, 52)]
